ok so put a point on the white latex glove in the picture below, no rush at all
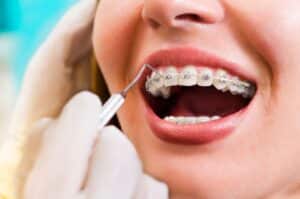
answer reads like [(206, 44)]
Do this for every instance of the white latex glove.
[(62, 169), (58, 71)]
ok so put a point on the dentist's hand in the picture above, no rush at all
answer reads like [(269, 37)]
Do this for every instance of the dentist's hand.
[(62, 157), (76, 161)]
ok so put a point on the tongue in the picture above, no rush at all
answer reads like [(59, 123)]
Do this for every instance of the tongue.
[(200, 101)]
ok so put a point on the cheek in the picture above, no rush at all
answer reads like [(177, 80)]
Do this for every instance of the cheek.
[(272, 27), (277, 40), (114, 31)]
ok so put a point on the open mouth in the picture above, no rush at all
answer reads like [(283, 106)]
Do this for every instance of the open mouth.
[(195, 103), (196, 94)]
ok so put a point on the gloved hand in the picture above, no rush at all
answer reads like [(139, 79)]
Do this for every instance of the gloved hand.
[(72, 165), (51, 156)]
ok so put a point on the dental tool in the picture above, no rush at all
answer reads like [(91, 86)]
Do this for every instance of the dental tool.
[(114, 103)]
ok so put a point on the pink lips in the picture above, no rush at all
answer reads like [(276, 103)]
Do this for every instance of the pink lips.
[(200, 133)]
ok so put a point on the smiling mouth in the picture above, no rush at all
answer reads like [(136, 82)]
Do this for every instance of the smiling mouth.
[(196, 94), (193, 97)]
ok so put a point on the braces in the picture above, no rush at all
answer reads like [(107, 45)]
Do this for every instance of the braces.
[(243, 88)]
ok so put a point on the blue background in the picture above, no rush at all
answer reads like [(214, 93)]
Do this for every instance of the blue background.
[(29, 21)]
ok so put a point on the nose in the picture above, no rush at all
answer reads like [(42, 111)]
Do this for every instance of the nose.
[(178, 13)]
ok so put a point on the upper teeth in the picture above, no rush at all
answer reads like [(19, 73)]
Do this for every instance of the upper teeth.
[(188, 76), (205, 77), (170, 77), (159, 83), (220, 80)]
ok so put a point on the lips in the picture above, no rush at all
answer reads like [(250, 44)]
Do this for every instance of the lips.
[(203, 133)]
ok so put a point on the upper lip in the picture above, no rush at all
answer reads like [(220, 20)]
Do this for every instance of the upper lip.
[(182, 56)]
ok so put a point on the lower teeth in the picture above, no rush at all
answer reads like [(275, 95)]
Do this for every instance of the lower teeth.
[(190, 120)]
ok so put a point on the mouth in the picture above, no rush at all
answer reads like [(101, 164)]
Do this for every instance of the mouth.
[(194, 97)]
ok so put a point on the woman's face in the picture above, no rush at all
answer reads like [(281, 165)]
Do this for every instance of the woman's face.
[(252, 151)]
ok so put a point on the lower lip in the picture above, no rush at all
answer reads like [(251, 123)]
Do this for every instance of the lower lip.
[(196, 134)]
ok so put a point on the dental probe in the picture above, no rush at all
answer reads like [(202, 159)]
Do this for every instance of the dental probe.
[(114, 103)]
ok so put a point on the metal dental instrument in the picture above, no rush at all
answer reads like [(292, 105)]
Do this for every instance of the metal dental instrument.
[(114, 103)]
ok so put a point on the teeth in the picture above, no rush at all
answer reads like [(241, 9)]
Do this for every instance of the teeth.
[(238, 87), (155, 83), (170, 119), (159, 83), (220, 80), (157, 79), (234, 86), (165, 92), (171, 77), (215, 118), (205, 77), (188, 76), (151, 88), (203, 119), (190, 120)]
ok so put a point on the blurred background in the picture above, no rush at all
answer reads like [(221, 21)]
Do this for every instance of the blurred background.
[(24, 24)]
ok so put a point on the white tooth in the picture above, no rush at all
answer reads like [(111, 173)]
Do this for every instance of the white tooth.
[(220, 78), (188, 76), (165, 92), (170, 119), (234, 85), (167, 118), (241, 87), (190, 120), (157, 79), (179, 120), (216, 117), (152, 89), (203, 119), (154, 83), (245, 84), (205, 77), (171, 77)]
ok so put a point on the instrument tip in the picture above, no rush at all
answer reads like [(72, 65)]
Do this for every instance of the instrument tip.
[(137, 78)]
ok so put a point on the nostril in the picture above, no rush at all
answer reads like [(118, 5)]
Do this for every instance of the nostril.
[(192, 18)]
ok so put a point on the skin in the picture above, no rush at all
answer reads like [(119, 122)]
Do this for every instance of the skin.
[(260, 159)]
